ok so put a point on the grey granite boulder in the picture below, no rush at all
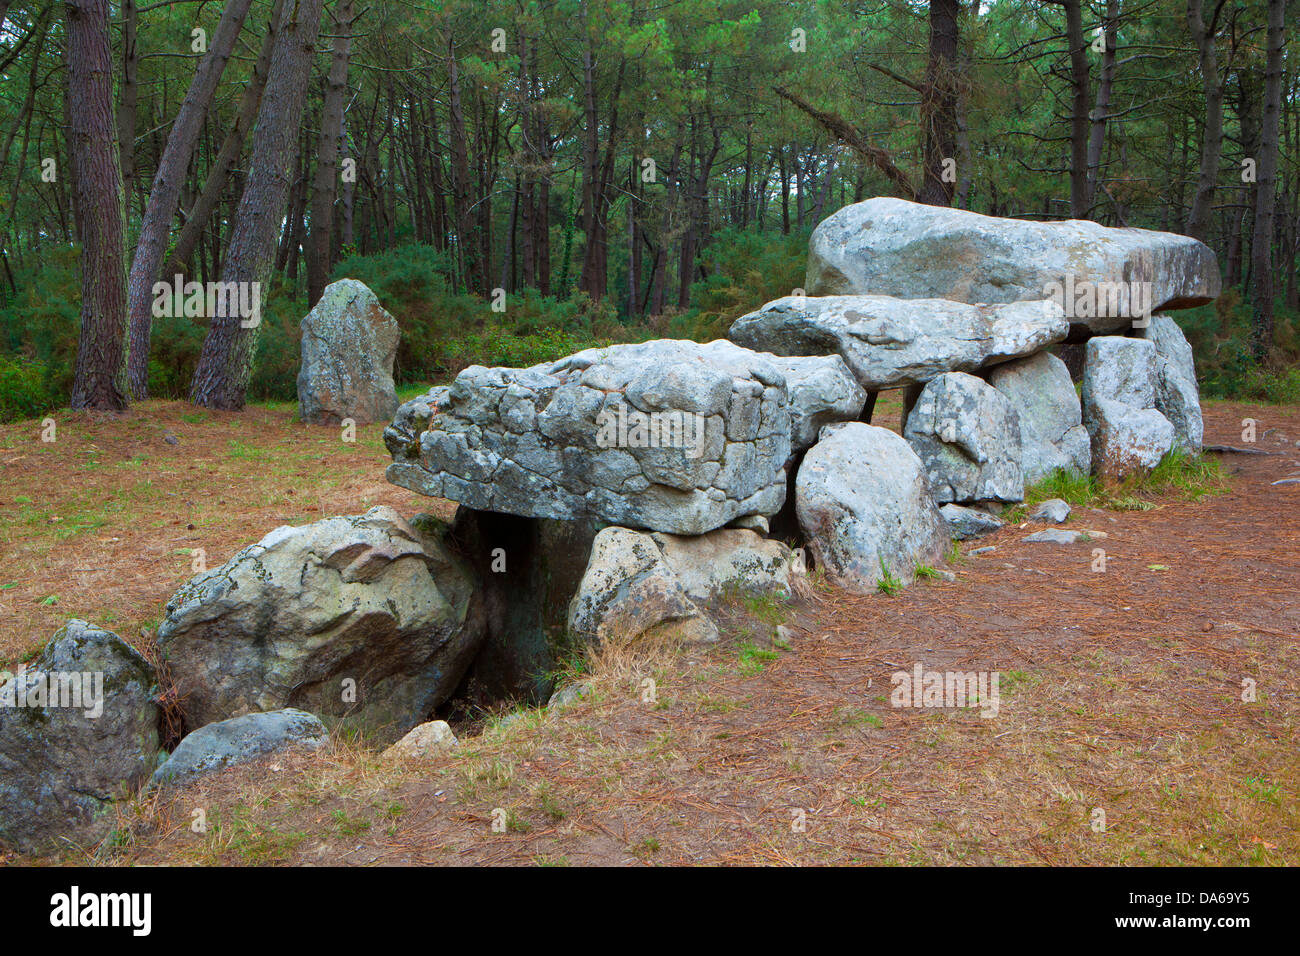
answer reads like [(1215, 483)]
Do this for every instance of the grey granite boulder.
[(891, 342), (228, 743), (1051, 418), (78, 729), (967, 434), (348, 346), (666, 435), (965, 523), (709, 564), (430, 739), (1128, 434), (360, 619), (630, 592), (893, 247), (1178, 397), (1051, 511), (864, 507)]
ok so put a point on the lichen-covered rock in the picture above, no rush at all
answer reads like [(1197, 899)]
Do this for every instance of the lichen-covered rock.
[(891, 342), (228, 743), (78, 729), (966, 523), (1052, 435), (892, 247), (865, 508), (348, 346), (967, 434), (1128, 434), (427, 740), (821, 390), (630, 592), (1178, 397), (359, 619), (666, 435), (709, 564)]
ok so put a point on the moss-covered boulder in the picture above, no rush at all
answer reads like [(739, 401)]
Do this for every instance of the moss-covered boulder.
[(78, 729)]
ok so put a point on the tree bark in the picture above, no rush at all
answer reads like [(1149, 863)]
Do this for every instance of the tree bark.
[(100, 377), (1266, 186), (939, 103), (325, 185), (226, 362), (167, 182), (1198, 218), (1101, 111), (1079, 110), (219, 173)]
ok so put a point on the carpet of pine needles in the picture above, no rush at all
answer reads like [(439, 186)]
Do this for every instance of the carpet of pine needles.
[(1121, 737)]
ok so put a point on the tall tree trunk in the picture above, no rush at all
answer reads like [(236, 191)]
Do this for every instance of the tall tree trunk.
[(1198, 219), (325, 185), (1079, 109), (167, 182), (126, 117), (460, 182), (100, 377), (1266, 187), (214, 186), (226, 362), (939, 103), (1101, 111), (785, 191)]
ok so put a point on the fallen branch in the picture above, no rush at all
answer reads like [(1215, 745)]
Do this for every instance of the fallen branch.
[(846, 133)]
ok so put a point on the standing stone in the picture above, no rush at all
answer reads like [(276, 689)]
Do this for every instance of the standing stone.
[(228, 743), (864, 506), (349, 343), (968, 436), (1129, 435), (666, 435), (1051, 418), (71, 745), (892, 247), (1177, 396), (629, 592), (891, 342), (362, 620)]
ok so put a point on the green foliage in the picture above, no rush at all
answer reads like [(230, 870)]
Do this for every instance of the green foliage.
[(888, 584), (1220, 337), (24, 390), (745, 269)]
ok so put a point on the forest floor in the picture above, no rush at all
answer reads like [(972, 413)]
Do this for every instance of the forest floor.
[(1121, 735)]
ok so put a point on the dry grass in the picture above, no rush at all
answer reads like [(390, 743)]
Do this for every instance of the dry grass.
[(104, 523)]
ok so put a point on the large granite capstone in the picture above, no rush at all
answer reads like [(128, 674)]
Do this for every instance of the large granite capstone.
[(893, 247), (666, 435), (889, 342)]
